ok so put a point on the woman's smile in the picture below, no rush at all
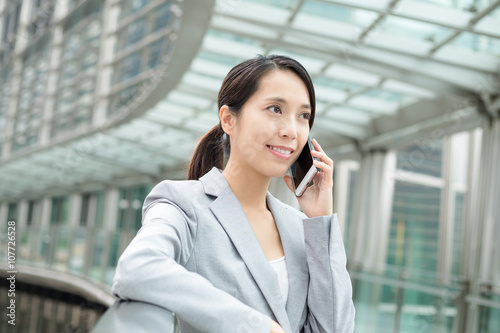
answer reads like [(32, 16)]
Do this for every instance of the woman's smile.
[(281, 151)]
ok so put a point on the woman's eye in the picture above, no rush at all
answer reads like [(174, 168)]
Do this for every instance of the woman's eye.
[(274, 109), (306, 115)]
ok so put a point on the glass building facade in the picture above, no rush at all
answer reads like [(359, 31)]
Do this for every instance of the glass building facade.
[(101, 100)]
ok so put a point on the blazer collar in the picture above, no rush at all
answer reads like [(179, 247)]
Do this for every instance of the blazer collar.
[(231, 216)]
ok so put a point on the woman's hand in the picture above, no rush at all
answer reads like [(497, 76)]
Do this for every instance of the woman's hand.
[(317, 200), (276, 328)]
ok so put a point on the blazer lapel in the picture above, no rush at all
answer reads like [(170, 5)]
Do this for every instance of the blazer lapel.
[(231, 216), (296, 261)]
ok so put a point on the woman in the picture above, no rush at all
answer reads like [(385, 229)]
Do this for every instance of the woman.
[(219, 250)]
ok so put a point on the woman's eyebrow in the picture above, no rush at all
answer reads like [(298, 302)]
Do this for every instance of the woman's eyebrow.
[(283, 101)]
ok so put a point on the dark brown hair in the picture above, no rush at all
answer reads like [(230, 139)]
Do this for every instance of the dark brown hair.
[(239, 85)]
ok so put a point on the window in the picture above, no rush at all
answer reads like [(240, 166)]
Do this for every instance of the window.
[(84, 213), (130, 207), (59, 211), (425, 158), (4, 102), (33, 206), (79, 60), (141, 44), (12, 212), (413, 240), (32, 92), (91, 214), (10, 24)]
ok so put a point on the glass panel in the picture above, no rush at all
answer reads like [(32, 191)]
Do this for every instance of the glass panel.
[(97, 254), (162, 16), (424, 157), (350, 206), (130, 7), (99, 210), (30, 105), (25, 241), (490, 317), (358, 17), (135, 32), (288, 4), (495, 14), (219, 58), (4, 102), (59, 211), (77, 83), (349, 87), (385, 95), (456, 255), (477, 43), (114, 254), (131, 66), (122, 98), (130, 207), (422, 311), (156, 52), (459, 4), (496, 272), (415, 30), (61, 249), (84, 213), (232, 37), (373, 313), (12, 212), (78, 251), (466, 5), (414, 234)]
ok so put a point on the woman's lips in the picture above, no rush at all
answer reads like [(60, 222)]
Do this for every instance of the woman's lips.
[(280, 151)]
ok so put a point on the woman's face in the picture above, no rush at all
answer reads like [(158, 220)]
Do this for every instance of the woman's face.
[(273, 126)]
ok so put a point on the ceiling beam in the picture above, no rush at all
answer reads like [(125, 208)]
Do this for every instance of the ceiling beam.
[(388, 11), (410, 74)]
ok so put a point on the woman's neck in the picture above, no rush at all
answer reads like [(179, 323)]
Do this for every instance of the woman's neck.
[(248, 185)]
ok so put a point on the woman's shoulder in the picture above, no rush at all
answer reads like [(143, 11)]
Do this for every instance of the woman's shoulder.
[(179, 193), (177, 187)]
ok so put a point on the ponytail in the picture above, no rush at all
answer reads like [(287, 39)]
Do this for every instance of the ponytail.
[(209, 153)]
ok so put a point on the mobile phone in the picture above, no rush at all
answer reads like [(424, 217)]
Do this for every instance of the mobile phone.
[(303, 170)]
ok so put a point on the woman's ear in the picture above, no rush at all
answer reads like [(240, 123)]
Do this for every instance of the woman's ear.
[(227, 119)]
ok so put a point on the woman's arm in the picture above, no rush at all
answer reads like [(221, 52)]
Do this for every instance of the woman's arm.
[(149, 271), (331, 309)]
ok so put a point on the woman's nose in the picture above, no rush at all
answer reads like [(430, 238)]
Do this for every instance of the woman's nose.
[(288, 128)]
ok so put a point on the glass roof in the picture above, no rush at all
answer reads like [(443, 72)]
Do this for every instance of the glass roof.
[(380, 68), (368, 59)]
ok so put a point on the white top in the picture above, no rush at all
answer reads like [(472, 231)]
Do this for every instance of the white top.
[(279, 266)]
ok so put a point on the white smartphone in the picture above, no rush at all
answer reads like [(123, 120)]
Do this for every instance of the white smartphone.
[(303, 170)]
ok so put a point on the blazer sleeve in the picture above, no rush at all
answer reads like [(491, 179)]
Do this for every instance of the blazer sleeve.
[(331, 309), (151, 270)]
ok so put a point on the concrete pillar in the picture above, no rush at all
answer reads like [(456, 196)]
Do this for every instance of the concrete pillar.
[(22, 214), (111, 209), (485, 216), (46, 206), (4, 208), (75, 208), (370, 226)]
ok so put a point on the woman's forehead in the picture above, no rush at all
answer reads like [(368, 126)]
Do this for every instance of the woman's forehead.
[(282, 84)]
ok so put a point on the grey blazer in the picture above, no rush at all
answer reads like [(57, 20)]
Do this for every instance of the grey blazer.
[(197, 255)]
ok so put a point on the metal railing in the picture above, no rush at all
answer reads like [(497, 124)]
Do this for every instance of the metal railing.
[(397, 300), (132, 317), (388, 302), (87, 252)]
